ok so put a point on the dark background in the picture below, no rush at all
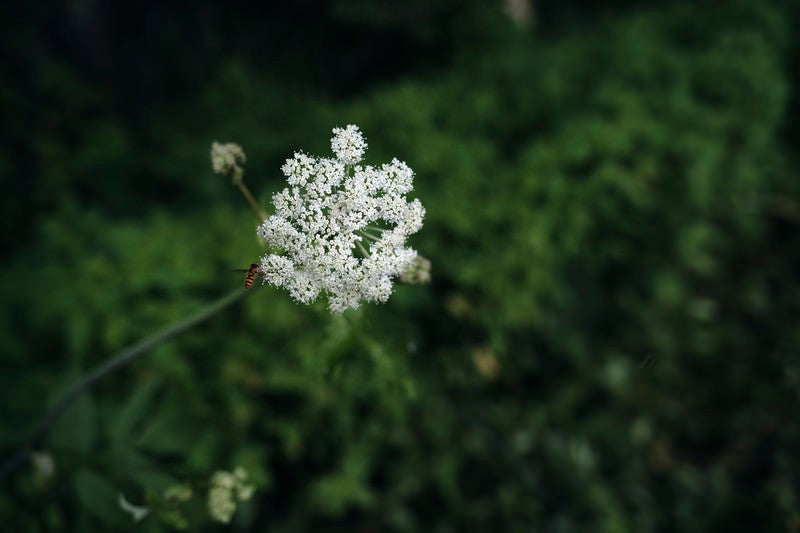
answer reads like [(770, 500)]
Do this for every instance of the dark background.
[(610, 341)]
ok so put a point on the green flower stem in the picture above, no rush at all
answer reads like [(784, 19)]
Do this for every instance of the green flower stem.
[(252, 201), (370, 236), (363, 250), (122, 358), (239, 182)]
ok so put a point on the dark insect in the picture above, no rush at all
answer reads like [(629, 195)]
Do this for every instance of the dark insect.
[(252, 273)]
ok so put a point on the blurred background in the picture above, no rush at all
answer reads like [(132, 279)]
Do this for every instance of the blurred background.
[(610, 341)]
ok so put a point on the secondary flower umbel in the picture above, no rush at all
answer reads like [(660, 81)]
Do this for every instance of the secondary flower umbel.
[(340, 227)]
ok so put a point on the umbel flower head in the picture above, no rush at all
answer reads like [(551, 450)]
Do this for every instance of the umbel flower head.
[(340, 228)]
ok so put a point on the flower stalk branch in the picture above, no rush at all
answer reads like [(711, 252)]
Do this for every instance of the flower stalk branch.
[(127, 355), (228, 159), (260, 215)]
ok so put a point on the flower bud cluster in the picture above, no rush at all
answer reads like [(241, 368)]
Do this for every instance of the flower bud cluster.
[(341, 227), (418, 273), (227, 159), (226, 488)]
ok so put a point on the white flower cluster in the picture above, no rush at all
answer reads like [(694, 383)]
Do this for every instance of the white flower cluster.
[(341, 227), (226, 158), (224, 486), (348, 144)]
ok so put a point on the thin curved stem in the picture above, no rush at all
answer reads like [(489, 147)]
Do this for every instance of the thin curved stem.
[(260, 215), (122, 358)]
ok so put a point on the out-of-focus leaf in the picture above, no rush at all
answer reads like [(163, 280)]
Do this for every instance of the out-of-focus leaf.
[(76, 429), (124, 424), (98, 496)]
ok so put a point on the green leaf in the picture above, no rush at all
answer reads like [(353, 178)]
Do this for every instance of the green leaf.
[(173, 518), (130, 416), (168, 431), (98, 496), (131, 464), (76, 428)]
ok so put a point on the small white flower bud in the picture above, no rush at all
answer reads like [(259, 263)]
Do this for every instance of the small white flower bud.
[(419, 273), (221, 506), (227, 158), (43, 464), (226, 488)]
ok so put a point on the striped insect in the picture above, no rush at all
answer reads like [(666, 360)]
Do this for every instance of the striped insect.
[(250, 276)]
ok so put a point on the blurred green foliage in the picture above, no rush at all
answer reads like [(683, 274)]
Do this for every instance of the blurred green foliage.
[(609, 344)]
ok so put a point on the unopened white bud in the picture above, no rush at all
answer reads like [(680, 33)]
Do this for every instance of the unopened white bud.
[(419, 273), (226, 488), (227, 159)]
